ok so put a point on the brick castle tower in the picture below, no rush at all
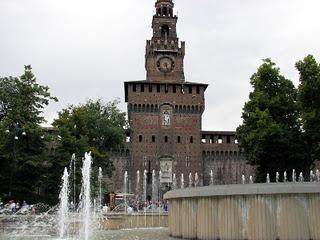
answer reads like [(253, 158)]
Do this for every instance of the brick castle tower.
[(164, 111)]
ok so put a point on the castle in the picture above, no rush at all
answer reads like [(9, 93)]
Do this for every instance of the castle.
[(165, 114)]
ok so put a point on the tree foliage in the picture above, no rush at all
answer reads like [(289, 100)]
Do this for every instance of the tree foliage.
[(95, 126), (270, 134), (309, 101), (22, 143)]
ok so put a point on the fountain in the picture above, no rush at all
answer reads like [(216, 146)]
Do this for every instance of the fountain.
[(268, 178), (277, 177), (154, 186), (318, 175), (144, 185), (301, 178), (182, 181), (285, 178), (211, 177), (138, 184), (243, 178), (251, 180), (174, 182), (85, 198), (196, 180), (100, 177), (294, 177), (190, 180), (125, 182), (271, 211), (63, 205), (311, 176)]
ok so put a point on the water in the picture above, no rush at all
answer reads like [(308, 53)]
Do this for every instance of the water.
[(63, 212), (125, 182), (196, 180), (182, 181), (277, 177), (294, 177), (144, 185), (211, 177), (100, 177), (85, 196), (243, 178), (311, 176), (174, 182), (190, 180), (318, 175), (251, 180), (301, 178), (138, 184), (285, 177), (268, 178), (154, 186), (134, 234)]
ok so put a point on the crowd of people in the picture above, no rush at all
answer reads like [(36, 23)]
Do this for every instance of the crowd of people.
[(12, 207)]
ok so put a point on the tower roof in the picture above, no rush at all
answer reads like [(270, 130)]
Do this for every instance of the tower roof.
[(164, 2)]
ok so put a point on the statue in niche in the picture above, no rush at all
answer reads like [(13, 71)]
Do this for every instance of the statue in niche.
[(166, 118)]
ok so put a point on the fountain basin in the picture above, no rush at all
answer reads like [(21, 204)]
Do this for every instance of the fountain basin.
[(251, 211)]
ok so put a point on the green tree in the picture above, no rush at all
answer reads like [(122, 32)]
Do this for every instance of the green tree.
[(22, 143), (270, 134), (95, 126), (309, 100)]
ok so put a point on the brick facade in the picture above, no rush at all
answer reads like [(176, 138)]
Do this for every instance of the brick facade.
[(165, 115)]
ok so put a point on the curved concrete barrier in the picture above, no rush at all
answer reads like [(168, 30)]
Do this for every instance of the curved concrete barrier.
[(284, 211)]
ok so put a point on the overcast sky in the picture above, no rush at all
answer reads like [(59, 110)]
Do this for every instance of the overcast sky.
[(86, 49)]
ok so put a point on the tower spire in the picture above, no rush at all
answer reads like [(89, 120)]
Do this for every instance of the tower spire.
[(164, 8)]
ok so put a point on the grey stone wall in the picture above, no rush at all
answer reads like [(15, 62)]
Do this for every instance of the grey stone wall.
[(226, 168)]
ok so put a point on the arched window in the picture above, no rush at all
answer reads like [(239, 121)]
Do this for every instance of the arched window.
[(165, 31), (165, 11)]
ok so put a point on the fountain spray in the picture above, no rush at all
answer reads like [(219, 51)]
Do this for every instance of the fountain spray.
[(277, 177), (294, 177), (100, 177), (182, 181), (285, 178), (196, 179), (63, 205), (243, 179), (251, 179), (85, 197), (211, 177), (301, 178), (174, 181), (268, 178), (190, 180)]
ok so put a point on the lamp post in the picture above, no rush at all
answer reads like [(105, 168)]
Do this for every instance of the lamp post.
[(14, 157)]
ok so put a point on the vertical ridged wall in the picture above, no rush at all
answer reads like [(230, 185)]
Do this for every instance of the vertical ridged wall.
[(252, 217)]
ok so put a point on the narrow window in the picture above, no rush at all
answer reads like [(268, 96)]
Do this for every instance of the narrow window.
[(158, 88), (153, 138), (150, 88), (134, 87), (166, 139), (198, 90), (140, 138), (228, 139), (191, 139), (190, 89), (174, 89), (179, 139), (142, 87)]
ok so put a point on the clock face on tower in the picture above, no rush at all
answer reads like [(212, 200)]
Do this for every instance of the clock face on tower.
[(165, 64)]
